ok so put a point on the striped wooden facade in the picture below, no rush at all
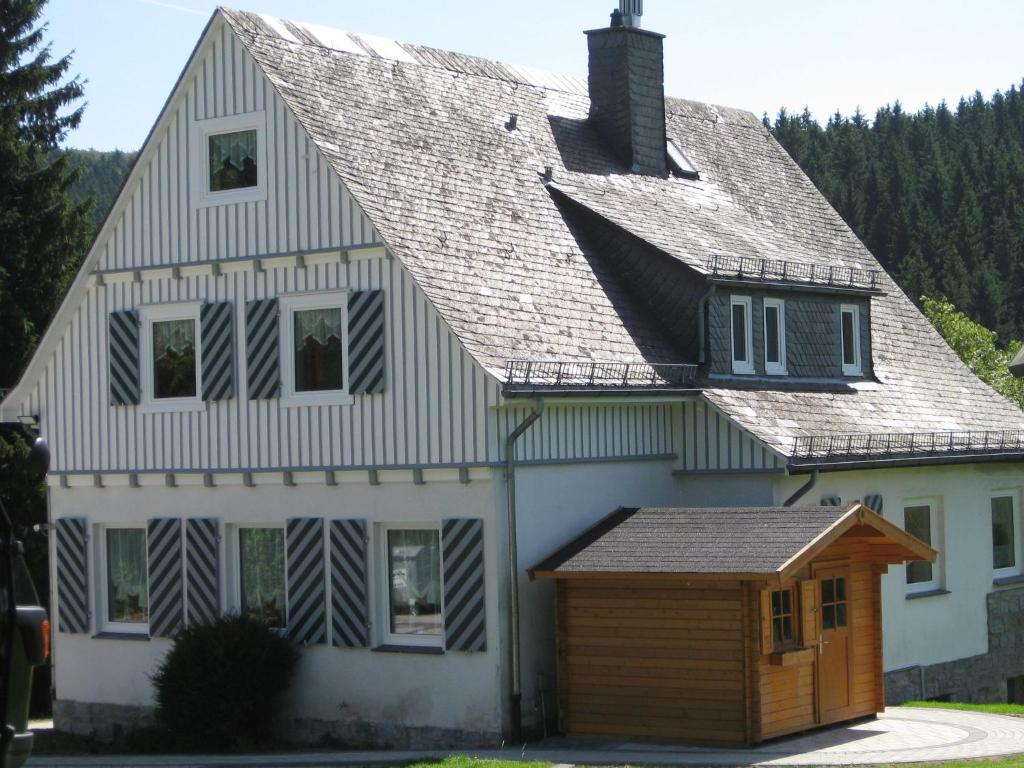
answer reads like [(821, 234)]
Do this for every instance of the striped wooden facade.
[(419, 399)]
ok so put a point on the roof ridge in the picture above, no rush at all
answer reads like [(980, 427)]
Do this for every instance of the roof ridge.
[(368, 45)]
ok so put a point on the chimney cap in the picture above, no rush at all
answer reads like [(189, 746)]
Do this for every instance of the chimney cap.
[(631, 12)]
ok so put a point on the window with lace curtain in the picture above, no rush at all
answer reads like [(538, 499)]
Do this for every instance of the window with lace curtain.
[(414, 594), (126, 590), (313, 344)]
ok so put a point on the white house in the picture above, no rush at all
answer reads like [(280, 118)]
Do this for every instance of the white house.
[(360, 304)]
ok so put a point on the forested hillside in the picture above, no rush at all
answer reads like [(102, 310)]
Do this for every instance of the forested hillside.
[(937, 195), (100, 178)]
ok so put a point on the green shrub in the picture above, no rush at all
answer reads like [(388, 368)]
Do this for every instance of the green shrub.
[(220, 685)]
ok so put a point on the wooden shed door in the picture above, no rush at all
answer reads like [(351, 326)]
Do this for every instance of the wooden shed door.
[(835, 646)]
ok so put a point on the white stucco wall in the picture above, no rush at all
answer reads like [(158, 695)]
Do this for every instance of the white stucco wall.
[(453, 690), (943, 627), (555, 504)]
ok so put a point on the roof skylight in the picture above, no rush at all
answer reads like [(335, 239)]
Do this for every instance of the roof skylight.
[(679, 162)]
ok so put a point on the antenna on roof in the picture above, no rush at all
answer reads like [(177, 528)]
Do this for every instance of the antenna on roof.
[(631, 11)]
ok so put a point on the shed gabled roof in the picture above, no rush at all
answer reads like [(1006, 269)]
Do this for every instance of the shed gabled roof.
[(730, 541)]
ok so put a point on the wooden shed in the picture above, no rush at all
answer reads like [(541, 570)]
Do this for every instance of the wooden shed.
[(723, 625)]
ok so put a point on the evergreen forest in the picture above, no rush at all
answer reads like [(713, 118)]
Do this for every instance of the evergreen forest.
[(936, 195)]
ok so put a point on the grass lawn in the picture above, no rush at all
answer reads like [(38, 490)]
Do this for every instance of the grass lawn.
[(992, 709)]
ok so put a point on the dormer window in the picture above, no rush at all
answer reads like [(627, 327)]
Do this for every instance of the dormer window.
[(742, 345), (850, 332), (774, 336)]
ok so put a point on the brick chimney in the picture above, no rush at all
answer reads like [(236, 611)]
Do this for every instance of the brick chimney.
[(627, 89)]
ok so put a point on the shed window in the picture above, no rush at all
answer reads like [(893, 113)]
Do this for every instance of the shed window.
[(261, 575), (774, 336), (232, 158), (414, 579), (834, 603), (783, 602), (742, 346), (850, 332)]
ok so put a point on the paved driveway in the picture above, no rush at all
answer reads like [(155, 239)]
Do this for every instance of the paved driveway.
[(900, 735)]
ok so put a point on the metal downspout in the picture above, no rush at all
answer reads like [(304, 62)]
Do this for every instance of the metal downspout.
[(803, 489), (513, 565)]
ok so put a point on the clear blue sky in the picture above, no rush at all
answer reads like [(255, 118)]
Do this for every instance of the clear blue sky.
[(825, 54)]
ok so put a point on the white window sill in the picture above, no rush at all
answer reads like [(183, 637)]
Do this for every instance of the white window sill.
[(776, 372), (392, 647), (743, 371), (853, 372), (173, 405), (232, 197), (320, 398), (121, 635), (930, 591), (1007, 576)]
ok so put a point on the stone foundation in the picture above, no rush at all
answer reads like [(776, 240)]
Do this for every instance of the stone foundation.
[(111, 722), (975, 679)]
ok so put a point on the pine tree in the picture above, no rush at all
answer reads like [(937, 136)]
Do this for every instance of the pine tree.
[(43, 234)]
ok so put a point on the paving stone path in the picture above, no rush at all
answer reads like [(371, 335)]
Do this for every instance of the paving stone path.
[(899, 735)]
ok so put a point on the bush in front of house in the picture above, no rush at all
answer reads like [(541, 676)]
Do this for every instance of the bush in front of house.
[(221, 685)]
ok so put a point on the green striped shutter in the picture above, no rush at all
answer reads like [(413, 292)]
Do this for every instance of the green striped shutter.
[(366, 342), (202, 572), (873, 501), (217, 331), (123, 353), (261, 349), (72, 575), (349, 610), (831, 501), (462, 566), (307, 598), (166, 589)]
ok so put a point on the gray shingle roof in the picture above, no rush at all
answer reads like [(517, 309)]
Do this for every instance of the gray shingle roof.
[(700, 540), (421, 141)]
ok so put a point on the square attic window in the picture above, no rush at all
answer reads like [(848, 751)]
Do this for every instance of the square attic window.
[(679, 162)]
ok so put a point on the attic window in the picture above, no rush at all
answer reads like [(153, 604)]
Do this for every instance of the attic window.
[(679, 162)]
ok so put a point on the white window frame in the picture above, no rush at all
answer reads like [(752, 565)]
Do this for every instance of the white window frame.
[(1018, 544), (742, 366), (104, 624), (387, 637), (202, 130), (779, 368), (235, 559), (855, 368), (936, 518), (289, 304), (149, 314)]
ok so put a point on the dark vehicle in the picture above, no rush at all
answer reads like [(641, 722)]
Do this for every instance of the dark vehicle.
[(24, 637)]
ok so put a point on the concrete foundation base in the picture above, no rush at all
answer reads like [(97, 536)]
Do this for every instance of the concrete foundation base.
[(111, 722), (976, 679)]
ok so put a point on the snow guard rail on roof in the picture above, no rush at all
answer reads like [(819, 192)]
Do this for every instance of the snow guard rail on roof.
[(749, 269), (824, 449), (586, 375)]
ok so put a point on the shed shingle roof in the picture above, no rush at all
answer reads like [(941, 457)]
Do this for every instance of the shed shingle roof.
[(699, 540), (422, 142)]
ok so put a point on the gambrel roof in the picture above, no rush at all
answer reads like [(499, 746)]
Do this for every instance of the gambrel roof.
[(422, 138)]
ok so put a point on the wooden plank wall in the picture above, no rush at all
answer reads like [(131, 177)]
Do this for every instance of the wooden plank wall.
[(651, 659), (785, 696)]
